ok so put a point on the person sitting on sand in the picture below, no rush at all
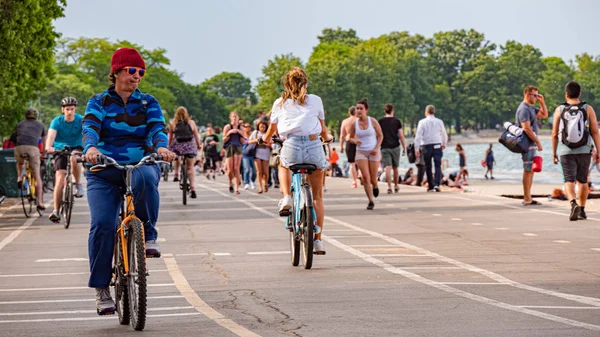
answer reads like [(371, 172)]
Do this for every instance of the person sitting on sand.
[(409, 177)]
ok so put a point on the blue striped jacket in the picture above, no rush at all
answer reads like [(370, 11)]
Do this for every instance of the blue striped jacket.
[(124, 132)]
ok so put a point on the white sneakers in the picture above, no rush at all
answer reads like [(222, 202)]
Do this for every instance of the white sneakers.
[(247, 186), (319, 247), (285, 204)]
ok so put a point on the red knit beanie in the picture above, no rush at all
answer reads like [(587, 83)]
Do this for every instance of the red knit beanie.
[(126, 57)]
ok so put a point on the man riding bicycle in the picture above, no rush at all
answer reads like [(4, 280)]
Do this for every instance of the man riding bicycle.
[(29, 132), (65, 131), (124, 124)]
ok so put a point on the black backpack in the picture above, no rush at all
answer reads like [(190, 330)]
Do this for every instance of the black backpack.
[(410, 153), (183, 132)]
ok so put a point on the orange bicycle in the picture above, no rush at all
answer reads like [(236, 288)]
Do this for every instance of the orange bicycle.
[(27, 189), (129, 267)]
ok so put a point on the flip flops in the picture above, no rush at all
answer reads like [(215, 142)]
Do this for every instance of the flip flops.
[(532, 203)]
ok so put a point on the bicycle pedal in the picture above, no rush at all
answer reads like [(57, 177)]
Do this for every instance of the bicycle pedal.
[(285, 213), (105, 313), (153, 256), (320, 253)]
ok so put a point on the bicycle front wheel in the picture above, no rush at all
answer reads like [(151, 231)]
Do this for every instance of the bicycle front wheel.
[(26, 197), (136, 279), (121, 294), (307, 227), (68, 200)]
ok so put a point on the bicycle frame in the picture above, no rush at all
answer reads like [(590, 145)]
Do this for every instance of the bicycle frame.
[(298, 180)]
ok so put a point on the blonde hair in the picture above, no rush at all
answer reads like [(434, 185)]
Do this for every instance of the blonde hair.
[(181, 115), (294, 86)]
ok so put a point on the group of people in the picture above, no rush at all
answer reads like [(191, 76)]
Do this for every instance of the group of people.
[(126, 125)]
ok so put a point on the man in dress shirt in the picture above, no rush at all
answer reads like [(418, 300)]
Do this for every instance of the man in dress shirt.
[(431, 138)]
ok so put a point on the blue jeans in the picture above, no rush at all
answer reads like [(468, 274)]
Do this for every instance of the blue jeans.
[(248, 169), (431, 153), (104, 190)]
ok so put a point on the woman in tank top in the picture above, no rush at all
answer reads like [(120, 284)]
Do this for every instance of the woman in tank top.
[(367, 135), (233, 140), (263, 154)]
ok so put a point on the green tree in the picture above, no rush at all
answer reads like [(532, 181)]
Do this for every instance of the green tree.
[(232, 87), (588, 76), (450, 54), (339, 35), (269, 86), (27, 37), (553, 80)]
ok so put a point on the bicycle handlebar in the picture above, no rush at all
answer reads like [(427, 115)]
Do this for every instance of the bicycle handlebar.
[(105, 161), (280, 141)]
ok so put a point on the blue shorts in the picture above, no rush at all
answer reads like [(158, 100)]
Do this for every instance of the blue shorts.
[(302, 150), (528, 157)]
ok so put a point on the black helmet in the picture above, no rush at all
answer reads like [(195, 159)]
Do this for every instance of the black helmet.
[(68, 101), (32, 113)]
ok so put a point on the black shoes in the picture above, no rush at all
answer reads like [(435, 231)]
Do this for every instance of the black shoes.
[(371, 205), (193, 194), (575, 211), (582, 215), (176, 179), (376, 192)]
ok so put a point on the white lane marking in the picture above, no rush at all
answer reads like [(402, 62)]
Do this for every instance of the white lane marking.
[(530, 234), (281, 252), (78, 319), (436, 214), (475, 283), (596, 249), (67, 274), (45, 275), (438, 285), (429, 267), (161, 240), (373, 246), (69, 259), (397, 243), (350, 236), (556, 307), (83, 300), (339, 230), (476, 224), (11, 208), (501, 229), (16, 232), (562, 241), (203, 254), (77, 312), (456, 219), (397, 255), (74, 288), (202, 307), (189, 210), (167, 255)]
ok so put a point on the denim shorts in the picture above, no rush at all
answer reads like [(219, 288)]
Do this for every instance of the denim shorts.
[(302, 150)]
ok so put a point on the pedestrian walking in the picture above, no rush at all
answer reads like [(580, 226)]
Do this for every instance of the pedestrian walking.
[(576, 126), (393, 137), (489, 163)]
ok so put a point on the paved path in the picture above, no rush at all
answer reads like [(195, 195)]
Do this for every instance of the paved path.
[(420, 264)]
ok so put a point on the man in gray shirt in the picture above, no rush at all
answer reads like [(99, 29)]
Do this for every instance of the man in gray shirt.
[(29, 132), (526, 117)]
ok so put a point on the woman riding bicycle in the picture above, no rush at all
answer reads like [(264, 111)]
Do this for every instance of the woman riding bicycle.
[(124, 124), (185, 141), (299, 118)]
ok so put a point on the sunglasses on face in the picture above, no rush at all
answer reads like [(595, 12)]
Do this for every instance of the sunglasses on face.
[(133, 70), (246, 126), (534, 95)]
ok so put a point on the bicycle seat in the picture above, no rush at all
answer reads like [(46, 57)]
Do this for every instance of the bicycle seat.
[(309, 168)]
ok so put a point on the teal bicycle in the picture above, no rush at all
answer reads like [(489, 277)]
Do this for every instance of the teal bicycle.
[(301, 218)]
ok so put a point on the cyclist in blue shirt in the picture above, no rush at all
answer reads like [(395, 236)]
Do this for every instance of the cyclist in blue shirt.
[(65, 130)]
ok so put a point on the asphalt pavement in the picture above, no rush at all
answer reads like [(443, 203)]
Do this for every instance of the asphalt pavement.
[(420, 264)]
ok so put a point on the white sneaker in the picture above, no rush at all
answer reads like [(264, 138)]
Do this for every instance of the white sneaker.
[(325, 188), (247, 186), (252, 185), (285, 205), (319, 247)]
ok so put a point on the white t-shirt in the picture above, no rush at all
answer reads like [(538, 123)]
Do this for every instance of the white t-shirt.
[(298, 120)]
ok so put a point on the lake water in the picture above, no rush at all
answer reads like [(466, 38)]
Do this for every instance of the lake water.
[(509, 166)]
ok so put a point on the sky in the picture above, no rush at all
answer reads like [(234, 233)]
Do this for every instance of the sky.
[(206, 37)]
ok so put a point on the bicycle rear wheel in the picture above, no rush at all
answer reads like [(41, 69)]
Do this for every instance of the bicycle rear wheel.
[(121, 294), (48, 177), (68, 200), (26, 196), (184, 180), (307, 227), (136, 279)]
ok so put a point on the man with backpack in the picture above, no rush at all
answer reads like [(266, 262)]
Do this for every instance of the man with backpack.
[(576, 125), (527, 117)]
